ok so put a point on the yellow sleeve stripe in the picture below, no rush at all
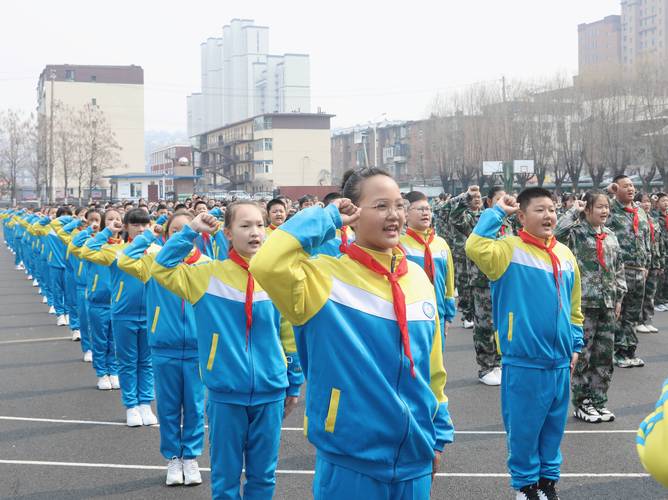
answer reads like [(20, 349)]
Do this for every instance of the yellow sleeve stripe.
[(212, 352), (330, 422), (80, 268), (92, 288), (120, 291), (155, 318)]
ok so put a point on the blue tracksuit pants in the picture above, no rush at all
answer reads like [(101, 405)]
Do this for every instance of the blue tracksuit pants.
[(332, 482), (244, 434), (104, 352), (180, 399), (135, 372), (57, 277), (534, 405), (71, 301), (82, 314)]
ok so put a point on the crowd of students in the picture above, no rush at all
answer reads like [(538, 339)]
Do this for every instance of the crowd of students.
[(236, 305)]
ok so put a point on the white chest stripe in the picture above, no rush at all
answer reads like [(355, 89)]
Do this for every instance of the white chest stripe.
[(220, 289), (419, 252), (368, 303), (525, 259)]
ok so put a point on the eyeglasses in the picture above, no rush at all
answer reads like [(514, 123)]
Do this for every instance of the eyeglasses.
[(384, 208), (424, 210)]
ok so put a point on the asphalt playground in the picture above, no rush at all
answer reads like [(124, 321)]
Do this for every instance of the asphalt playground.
[(61, 438)]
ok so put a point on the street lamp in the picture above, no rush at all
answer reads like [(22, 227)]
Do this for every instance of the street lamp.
[(375, 138)]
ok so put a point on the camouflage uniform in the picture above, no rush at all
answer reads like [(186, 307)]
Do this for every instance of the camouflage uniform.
[(655, 269), (662, 292), (441, 210), (487, 354), (602, 290), (636, 253), (462, 221)]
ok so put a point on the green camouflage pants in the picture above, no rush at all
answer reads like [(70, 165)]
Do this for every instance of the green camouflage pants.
[(484, 343), (626, 340), (465, 304), (651, 288), (593, 371)]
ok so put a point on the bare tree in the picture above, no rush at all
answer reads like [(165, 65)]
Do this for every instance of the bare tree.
[(15, 145), (64, 142)]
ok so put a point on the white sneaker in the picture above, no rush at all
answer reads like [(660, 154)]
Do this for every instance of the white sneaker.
[(67, 319), (45, 300), (191, 472), (20, 267), (491, 378), (29, 277), (61, 321), (132, 417), (103, 383), (35, 283), (174, 472), (115, 384), (88, 357), (467, 324), (642, 329), (76, 336), (52, 310), (147, 416), (652, 328)]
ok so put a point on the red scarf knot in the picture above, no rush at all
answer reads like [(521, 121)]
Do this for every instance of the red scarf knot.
[(636, 220), (114, 241), (250, 286), (273, 227), (502, 230), (549, 248), (600, 252), (398, 298), (665, 221), (193, 257), (344, 239), (428, 258)]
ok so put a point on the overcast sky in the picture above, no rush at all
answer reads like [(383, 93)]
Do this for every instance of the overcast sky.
[(367, 57)]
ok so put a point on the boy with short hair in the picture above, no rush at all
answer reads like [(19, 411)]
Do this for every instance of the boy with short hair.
[(535, 285)]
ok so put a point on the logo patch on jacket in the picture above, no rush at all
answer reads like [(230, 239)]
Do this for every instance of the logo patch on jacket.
[(428, 309)]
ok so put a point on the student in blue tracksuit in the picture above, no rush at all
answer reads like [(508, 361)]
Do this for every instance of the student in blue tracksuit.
[(98, 295), (536, 295), (73, 317), (252, 375), (172, 338), (431, 252), (128, 317), (368, 334), (652, 439), (80, 275), (56, 261)]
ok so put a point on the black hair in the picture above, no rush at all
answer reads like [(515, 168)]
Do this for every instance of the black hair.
[(180, 206), (63, 210), (104, 217), (492, 192), (306, 198), (93, 211), (330, 197), (660, 195), (276, 201), (79, 210), (567, 196), (178, 213), (414, 196), (231, 210), (352, 181), (136, 216), (590, 198), (161, 206), (531, 193), (619, 177), (199, 202)]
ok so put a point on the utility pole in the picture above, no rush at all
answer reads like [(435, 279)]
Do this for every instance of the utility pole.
[(52, 77)]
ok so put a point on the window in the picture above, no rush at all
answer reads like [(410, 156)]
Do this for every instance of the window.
[(263, 167), (93, 78), (135, 190), (69, 75), (93, 101), (361, 159)]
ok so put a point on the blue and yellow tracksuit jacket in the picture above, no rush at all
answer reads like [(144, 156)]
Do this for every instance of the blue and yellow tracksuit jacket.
[(55, 245), (170, 319), (444, 273), (333, 247), (74, 264), (652, 439), (534, 328), (232, 372), (364, 410), (128, 294), (98, 277)]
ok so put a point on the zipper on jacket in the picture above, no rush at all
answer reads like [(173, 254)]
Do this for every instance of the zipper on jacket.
[(404, 409), (252, 366)]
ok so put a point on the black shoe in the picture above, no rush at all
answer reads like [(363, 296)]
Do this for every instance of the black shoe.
[(547, 489), (529, 492)]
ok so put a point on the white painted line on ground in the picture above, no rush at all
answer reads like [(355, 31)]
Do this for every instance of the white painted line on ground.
[(26, 341), (301, 472), (295, 429)]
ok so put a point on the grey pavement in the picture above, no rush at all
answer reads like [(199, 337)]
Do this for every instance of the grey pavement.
[(61, 459)]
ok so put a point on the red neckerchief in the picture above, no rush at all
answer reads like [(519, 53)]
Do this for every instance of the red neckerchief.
[(636, 220), (502, 230), (665, 221), (428, 258), (206, 237), (600, 253), (273, 227), (344, 239), (194, 257), (114, 241), (250, 286), (556, 265), (398, 298), (651, 228)]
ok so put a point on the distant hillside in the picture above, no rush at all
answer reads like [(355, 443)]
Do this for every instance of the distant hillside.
[(155, 139)]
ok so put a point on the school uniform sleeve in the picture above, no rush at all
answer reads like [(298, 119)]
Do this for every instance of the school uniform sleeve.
[(577, 319), (64, 232), (188, 282), (450, 304), (445, 431), (283, 266), (564, 230), (652, 439), (295, 373), (134, 261), (219, 244), (96, 251), (492, 256)]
